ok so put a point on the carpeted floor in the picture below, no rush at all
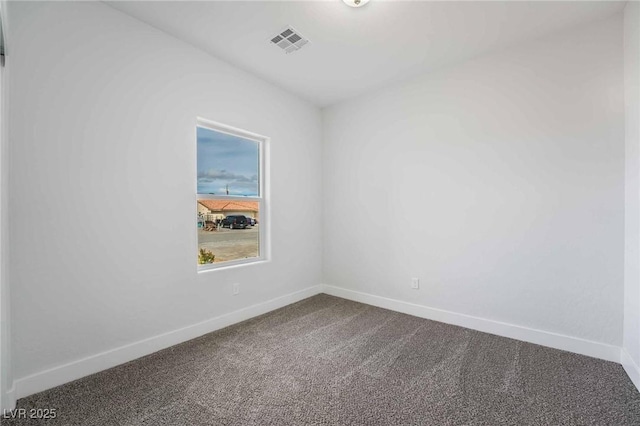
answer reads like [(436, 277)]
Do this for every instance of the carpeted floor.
[(326, 360)]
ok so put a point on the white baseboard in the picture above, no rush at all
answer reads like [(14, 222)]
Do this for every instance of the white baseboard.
[(632, 369), (539, 337), (8, 401), (59, 375)]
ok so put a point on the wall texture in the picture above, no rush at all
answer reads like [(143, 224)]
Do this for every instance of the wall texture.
[(499, 183), (103, 178), (631, 343), (7, 398)]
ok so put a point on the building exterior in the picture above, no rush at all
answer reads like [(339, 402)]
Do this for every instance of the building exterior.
[(211, 210)]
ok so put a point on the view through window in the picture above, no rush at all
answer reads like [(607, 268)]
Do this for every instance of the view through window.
[(229, 199)]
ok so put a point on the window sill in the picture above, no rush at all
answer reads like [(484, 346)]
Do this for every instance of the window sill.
[(231, 264)]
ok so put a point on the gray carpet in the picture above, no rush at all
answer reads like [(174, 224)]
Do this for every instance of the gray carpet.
[(327, 360)]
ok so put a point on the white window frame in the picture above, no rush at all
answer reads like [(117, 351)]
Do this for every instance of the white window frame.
[(264, 224)]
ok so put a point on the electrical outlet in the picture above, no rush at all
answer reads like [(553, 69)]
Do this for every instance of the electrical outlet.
[(235, 288), (415, 283)]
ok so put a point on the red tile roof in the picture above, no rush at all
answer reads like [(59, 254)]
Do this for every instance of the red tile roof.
[(226, 206)]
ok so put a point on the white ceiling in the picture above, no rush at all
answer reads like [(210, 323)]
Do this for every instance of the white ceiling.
[(354, 51)]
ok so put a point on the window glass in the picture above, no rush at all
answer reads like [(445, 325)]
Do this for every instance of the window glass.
[(227, 164), (229, 202), (229, 236)]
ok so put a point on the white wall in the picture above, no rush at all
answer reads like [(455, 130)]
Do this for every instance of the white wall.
[(7, 395), (103, 112), (499, 183), (631, 341), (7, 399)]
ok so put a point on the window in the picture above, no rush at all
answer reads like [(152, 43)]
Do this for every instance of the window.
[(230, 196)]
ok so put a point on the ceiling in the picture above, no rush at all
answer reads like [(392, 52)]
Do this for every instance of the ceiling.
[(355, 51)]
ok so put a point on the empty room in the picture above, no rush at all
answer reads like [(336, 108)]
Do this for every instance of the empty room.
[(336, 212)]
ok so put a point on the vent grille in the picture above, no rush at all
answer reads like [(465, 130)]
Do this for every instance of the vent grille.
[(289, 40)]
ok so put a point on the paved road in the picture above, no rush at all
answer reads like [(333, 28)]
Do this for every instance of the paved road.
[(230, 244), (228, 235)]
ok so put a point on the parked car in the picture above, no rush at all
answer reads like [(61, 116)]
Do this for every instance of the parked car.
[(235, 222), (252, 221)]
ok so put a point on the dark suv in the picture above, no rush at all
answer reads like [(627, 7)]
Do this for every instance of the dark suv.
[(235, 222)]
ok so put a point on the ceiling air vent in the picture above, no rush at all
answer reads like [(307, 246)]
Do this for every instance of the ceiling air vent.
[(289, 40)]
